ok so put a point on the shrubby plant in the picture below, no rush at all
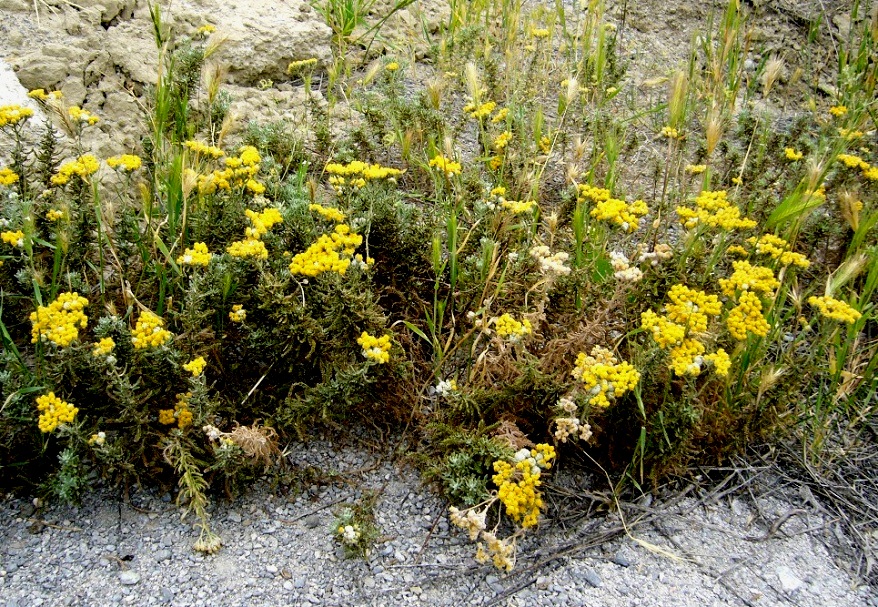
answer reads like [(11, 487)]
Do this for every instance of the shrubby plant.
[(479, 259)]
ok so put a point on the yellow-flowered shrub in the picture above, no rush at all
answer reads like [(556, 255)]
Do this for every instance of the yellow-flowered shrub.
[(60, 321), (54, 412)]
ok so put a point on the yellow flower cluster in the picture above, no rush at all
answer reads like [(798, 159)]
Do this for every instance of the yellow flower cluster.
[(262, 222), (471, 520), (500, 116), (834, 309), (10, 115), (792, 154), (617, 211), (664, 332), (195, 366), (855, 162), (540, 32), (82, 167), (42, 95), (327, 213), (238, 313), (671, 133), (205, 30), (103, 347), (249, 247), (721, 362), (838, 110), (375, 348), (747, 317), (356, 174), (446, 165), (8, 176), (54, 215), (392, 66), (519, 480), (16, 238), (478, 112), (126, 162), (778, 248), (330, 253), (738, 250), (198, 255), (202, 149), (507, 326), (149, 331), (517, 207), (54, 412), (500, 552), (98, 439), (688, 315), (181, 414), (690, 308), (603, 376), (696, 169), (747, 277), (850, 134), (239, 172), (714, 209), (686, 357), (78, 114), (502, 140), (301, 65), (60, 321)]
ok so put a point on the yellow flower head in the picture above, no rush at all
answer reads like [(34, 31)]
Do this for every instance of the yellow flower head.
[(195, 366), (60, 321), (375, 348), (54, 412), (835, 309), (149, 331)]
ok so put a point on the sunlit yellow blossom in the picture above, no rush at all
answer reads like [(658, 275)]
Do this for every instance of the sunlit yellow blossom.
[(835, 309), (82, 167), (738, 250), (327, 213), (16, 238), (42, 95), (238, 313), (11, 115), (603, 376), (685, 358), (617, 211), (149, 331), (518, 485), (747, 317), (125, 162), (392, 66), (301, 65), (778, 248), (376, 349), (665, 332), (262, 222), (482, 111), (871, 173), (540, 32), (721, 362), (671, 133), (449, 167), (198, 255), (54, 412), (78, 114), (517, 207), (8, 176), (54, 215), (507, 327), (205, 30), (330, 253), (713, 208), (792, 154), (60, 321), (249, 247), (852, 162), (691, 308), (103, 347), (167, 417), (97, 439), (696, 169), (195, 366), (838, 110), (202, 149), (747, 277), (502, 140), (500, 116)]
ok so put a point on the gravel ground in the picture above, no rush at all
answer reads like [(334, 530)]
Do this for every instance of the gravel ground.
[(279, 551)]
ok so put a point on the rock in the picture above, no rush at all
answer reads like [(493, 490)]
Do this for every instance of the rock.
[(288, 585), (131, 47), (311, 522), (542, 583), (622, 558), (262, 37), (234, 517), (272, 569), (788, 580), (162, 555), (592, 578), (129, 577), (299, 583)]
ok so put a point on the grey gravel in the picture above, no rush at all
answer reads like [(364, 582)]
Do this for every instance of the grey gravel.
[(273, 558)]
